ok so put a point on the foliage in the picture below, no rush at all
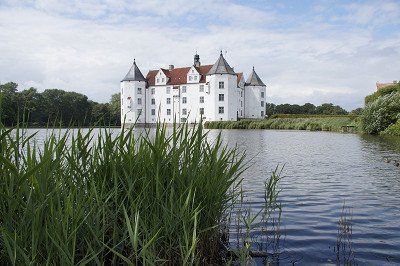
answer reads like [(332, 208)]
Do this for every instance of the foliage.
[(111, 199), (381, 113), (307, 108), (382, 92), (298, 122), (357, 111), (67, 108), (393, 129)]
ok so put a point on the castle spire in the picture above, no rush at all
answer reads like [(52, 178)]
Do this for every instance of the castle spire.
[(221, 67), (134, 73), (254, 79)]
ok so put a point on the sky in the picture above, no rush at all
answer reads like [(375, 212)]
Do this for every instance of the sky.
[(304, 51)]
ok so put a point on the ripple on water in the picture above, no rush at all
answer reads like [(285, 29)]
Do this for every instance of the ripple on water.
[(322, 172)]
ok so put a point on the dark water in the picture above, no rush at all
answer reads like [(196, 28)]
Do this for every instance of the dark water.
[(323, 171)]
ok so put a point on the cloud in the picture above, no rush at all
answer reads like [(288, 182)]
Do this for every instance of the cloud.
[(88, 46)]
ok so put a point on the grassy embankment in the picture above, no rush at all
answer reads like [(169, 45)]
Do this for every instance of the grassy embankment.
[(125, 199), (298, 122)]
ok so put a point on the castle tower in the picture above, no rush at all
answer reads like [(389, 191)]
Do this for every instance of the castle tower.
[(133, 97), (196, 61), (222, 82), (254, 96)]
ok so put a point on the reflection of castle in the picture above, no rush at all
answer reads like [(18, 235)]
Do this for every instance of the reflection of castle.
[(383, 85), (214, 92)]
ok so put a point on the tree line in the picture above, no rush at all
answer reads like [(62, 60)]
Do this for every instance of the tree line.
[(55, 107), (308, 108)]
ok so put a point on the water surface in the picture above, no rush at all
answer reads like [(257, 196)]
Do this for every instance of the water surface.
[(323, 171)]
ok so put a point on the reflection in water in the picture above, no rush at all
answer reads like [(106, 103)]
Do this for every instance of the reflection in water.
[(344, 245)]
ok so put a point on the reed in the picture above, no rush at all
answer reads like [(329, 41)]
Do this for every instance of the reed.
[(293, 122), (86, 198)]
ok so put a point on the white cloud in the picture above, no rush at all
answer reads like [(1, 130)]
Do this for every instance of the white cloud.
[(89, 46)]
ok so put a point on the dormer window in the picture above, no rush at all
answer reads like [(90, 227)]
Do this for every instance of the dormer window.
[(162, 80), (158, 80), (190, 78), (195, 77)]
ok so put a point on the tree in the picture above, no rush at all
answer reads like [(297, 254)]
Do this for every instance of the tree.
[(115, 106), (330, 109), (308, 108), (9, 106), (269, 109)]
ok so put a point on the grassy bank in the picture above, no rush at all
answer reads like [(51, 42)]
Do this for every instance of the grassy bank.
[(297, 122), (122, 199)]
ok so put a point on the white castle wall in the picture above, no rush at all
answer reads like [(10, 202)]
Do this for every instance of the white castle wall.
[(253, 101)]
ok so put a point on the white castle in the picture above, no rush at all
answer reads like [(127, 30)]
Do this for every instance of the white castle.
[(209, 92)]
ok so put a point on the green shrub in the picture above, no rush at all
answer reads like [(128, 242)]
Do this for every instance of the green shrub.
[(381, 92), (393, 129), (381, 113)]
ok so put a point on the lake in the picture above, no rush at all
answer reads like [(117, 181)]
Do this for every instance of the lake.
[(323, 172)]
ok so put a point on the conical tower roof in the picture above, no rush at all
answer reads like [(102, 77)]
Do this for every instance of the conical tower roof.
[(254, 79), (221, 67), (134, 74)]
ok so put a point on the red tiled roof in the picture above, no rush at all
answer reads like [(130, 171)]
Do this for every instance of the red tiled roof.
[(383, 85), (178, 76)]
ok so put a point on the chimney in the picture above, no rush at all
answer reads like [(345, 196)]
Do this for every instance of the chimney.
[(196, 60), (171, 67)]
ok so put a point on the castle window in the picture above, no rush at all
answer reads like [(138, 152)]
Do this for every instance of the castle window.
[(139, 111), (184, 100), (262, 113), (153, 101), (153, 91), (153, 111), (139, 90), (221, 110), (183, 89), (262, 103), (262, 94), (201, 88), (168, 111), (168, 100), (139, 100), (190, 78), (183, 120), (202, 111), (184, 111), (168, 90), (241, 94), (221, 97), (241, 103), (201, 99), (241, 113), (221, 85)]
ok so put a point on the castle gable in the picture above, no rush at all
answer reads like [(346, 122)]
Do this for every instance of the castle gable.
[(177, 76)]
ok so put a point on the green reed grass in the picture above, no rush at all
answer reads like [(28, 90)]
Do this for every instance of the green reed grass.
[(292, 122), (86, 198)]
